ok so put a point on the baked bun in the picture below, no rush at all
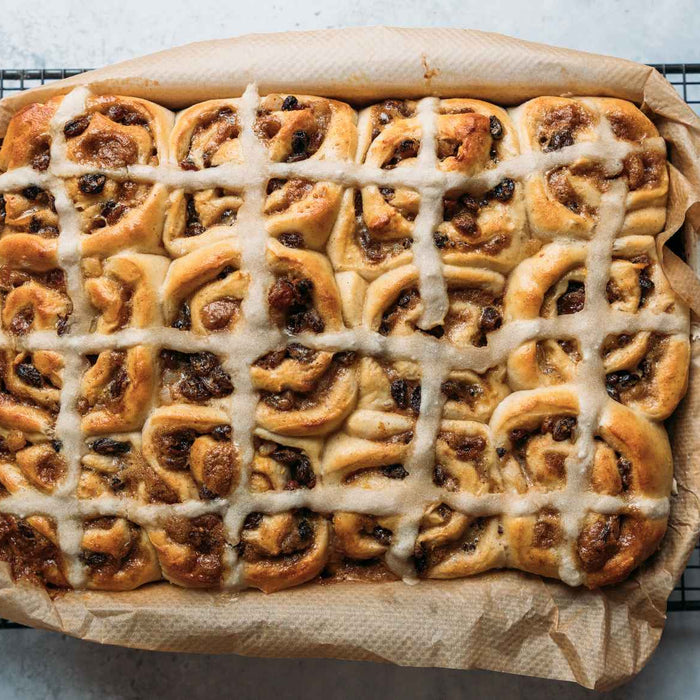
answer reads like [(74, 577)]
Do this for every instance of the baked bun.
[(271, 340)]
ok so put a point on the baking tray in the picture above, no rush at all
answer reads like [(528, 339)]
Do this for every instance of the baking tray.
[(685, 77)]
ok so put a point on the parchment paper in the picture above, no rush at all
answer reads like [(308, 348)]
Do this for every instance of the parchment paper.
[(506, 621)]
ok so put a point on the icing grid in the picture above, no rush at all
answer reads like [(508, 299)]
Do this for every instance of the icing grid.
[(254, 336)]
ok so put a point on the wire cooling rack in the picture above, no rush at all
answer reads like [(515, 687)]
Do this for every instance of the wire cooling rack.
[(685, 77)]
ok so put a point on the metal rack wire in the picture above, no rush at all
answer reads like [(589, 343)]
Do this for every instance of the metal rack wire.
[(685, 77)]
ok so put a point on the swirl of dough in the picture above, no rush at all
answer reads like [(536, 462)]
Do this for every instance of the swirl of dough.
[(28, 137), (284, 463), (369, 452), (301, 213), (393, 305), (465, 459), (114, 466), (124, 289), (117, 215), (204, 136), (298, 127), (314, 402), (191, 451), (118, 555), (24, 465), (374, 229), (535, 432), (643, 370), (29, 228), (193, 378), (34, 300), (533, 542), (114, 133), (451, 544), (632, 459), (358, 545), (191, 551), (281, 550), (565, 200), (116, 391), (304, 296), (30, 546), (483, 228), (204, 289)]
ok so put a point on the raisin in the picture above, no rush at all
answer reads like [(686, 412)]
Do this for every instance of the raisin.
[(291, 239), (92, 183), (624, 467), (252, 521), (490, 319), (205, 494), (300, 353), (29, 375), (440, 475), (124, 115), (300, 142), (275, 184), (176, 447), (305, 529), (203, 363), (290, 103), (221, 433), (281, 402), (345, 358), (573, 299), (440, 240), (561, 428), (22, 321), (75, 127), (465, 223), (112, 211), (399, 392), (612, 292), (109, 447), (95, 559), (504, 190), (282, 294), (518, 436), (183, 321), (394, 471), (501, 452), (382, 535), (420, 560), (470, 448), (559, 140), (496, 128), (187, 164), (416, 399), (31, 192), (57, 445), (41, 161), (646, 284), (616, 381)]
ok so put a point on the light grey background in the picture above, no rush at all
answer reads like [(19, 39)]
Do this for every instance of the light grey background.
[(65, 33)]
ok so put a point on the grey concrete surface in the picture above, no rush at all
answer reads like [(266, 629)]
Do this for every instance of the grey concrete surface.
[(65, 33)]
